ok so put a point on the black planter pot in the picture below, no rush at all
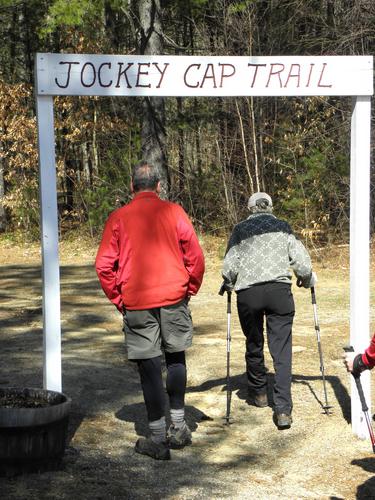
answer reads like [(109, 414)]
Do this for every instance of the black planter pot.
[(33, 429)]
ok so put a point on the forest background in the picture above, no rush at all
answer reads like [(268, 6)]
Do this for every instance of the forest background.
[(213, 152)]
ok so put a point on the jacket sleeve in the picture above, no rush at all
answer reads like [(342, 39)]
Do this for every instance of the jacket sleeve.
[(299, 259), (106, 263), (192, 252), (231, 262), (368, 357)]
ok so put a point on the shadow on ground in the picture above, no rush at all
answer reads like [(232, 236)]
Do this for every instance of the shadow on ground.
[(367, 489), (108, 411), (107, 405), (237, 384)]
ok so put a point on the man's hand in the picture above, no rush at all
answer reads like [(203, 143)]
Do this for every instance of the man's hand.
[(348, 358), (354, 363), (224, 288), (313, 280), (308, 283)]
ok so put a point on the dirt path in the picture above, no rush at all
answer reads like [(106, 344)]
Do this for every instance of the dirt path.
[(317, 458)]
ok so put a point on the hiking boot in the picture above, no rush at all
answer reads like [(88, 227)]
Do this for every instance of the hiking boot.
[(283, 420), (260, 400), (158, 451), (178, 438)]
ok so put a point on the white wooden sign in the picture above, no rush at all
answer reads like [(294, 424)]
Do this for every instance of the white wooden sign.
[(130, 75)]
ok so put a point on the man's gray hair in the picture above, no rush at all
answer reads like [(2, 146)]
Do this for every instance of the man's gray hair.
[(145, 177)]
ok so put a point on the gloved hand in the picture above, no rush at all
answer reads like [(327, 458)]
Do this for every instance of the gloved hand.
[(225, 287), (309, 283), (313, 280)]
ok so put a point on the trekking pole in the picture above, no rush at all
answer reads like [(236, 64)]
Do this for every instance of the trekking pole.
[(357, 379), (229, 312), (326, 406)]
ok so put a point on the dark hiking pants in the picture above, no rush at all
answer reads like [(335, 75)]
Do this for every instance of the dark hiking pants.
[(274, 301)]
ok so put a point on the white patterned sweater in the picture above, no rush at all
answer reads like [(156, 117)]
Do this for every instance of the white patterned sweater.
[(261, 249)]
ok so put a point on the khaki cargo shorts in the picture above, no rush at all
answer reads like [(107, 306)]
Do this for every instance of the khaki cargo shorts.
[(150, 331)]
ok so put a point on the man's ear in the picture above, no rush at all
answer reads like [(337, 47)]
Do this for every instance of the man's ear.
[(158, 187)]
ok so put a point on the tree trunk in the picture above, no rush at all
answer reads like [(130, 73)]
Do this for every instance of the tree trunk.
[(86, 168), (153, 136), (181, 147), (244, 147)]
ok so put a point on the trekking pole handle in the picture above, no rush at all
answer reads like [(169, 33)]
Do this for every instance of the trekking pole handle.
[(360, 392), (222, 290), (348, 348), (357, 379), (312, 288), (362, 398), (313, 296), (229, 302)]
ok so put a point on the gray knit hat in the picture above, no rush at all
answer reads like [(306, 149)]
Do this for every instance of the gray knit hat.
[(256, 198)]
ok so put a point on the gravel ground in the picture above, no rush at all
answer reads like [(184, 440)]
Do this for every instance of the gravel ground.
[(318, 458)]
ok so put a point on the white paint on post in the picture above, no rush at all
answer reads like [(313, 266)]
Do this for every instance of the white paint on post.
[(360, 250), (49, 240)]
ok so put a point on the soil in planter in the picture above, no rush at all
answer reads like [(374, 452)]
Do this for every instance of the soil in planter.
[(23, 401)]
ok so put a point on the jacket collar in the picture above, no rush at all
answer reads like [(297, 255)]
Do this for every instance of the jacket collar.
[(145, 194), (252, 216)]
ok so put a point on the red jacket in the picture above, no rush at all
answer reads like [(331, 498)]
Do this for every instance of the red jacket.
[(368, 357), (149, 255)]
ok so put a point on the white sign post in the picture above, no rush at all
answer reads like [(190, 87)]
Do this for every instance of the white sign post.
[(360, 248), (50, 251), (133, 75)]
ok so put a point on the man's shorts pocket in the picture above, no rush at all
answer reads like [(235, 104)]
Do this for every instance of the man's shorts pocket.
[(176, 327)]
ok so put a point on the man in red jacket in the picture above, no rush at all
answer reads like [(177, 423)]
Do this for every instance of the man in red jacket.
[(149, 264), (357, 363)]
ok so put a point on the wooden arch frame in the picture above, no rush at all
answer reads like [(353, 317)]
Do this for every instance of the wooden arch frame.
[(116, 75)]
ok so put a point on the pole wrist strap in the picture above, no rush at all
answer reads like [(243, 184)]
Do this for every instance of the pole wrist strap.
[(358, 365)]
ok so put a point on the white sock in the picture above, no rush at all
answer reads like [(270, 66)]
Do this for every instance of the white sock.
[(158, 430), (178, 418)]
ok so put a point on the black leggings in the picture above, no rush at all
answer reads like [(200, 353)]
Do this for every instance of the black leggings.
[(152, 383)]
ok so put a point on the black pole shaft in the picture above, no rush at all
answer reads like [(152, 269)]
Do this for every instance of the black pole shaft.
[(357, 379), (365, 409)]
